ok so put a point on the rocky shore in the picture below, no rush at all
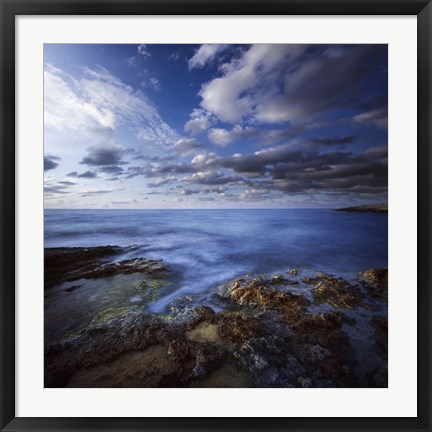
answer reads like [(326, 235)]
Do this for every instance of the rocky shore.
[(284, 330), (369, 208)]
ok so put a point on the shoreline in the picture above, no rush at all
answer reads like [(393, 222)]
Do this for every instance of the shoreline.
[(282, 330)]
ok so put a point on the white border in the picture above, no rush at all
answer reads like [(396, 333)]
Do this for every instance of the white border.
[(399, 400)]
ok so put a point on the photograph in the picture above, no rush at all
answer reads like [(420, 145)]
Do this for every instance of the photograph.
[(215, 215)]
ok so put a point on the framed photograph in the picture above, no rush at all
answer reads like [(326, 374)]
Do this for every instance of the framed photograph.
[(215, 217)]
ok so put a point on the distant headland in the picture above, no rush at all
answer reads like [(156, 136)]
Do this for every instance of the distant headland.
[(374, 208)]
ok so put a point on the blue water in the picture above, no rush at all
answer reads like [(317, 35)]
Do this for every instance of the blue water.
[(208, 247)]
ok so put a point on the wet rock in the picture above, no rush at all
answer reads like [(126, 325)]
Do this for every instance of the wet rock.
[(294, 272), (61, 264), (380, 326), (136, 265), (315, 353), (103, 340), (228, 375), (204, 332), (72, 288), (68, 264), (279, 279), (144, 368), (178, 305), (337, 292), (378, 378), (334, 357), (305, 382), (254, 293), (269, 338), (191, 316), (376, 282)]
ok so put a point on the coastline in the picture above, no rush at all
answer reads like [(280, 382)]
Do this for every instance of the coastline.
[(368, 208), (284, 330)]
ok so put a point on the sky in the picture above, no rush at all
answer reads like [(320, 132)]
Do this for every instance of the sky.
[(215, 126)]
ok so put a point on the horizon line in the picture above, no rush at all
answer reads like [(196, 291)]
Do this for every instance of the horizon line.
[(229, 208)]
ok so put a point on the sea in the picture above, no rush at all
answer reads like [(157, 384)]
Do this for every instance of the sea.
[(210, 247)]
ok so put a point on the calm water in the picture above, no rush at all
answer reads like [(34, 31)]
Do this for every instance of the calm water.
[(208, 247)]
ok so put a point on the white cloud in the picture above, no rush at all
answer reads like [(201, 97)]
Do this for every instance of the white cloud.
[(200, 121), (246, 81), (223, 137), (143, 50), (219, 137), (205, 54), (187, 146), (65, 108), (100, 101), (151, 82)]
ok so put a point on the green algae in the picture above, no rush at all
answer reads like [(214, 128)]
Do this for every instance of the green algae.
[(166, 317), (152, 286), (112, 313)]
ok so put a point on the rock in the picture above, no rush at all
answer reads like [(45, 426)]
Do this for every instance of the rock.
[(316, 353), (335, 355), (254, 293), (305, 382), (337, 292), (380, 325), (204, 332), (269, 338), (370, 208), (68, 264), (178, 305), (294, 272), (136, 265), (376, 282), (228, 375), (378, 378), (144, 368), (72, 288)]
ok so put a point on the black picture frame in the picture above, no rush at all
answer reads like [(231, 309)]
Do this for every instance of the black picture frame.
[(9, 9)]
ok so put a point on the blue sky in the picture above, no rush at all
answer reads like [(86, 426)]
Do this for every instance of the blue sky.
[(214, 126)]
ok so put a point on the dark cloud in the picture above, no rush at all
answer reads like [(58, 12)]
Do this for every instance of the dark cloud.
[(86, 174), (50, 162), (377, 152), (376, 117), (57, 187), (214, 178), (98, 192), (283, 169), (111, 169), (349, 139), (319, 84), (98, 156), (188, 192)]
